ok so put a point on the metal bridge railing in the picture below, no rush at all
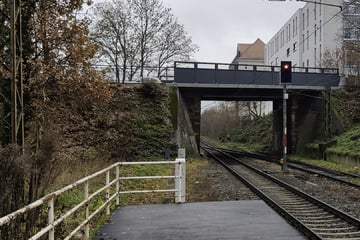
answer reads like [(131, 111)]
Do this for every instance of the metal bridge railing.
[(249, 67), (84, 226), (251, 75)]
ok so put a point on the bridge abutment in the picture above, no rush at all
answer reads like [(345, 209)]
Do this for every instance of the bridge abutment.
[(305, 116), (188, 129)]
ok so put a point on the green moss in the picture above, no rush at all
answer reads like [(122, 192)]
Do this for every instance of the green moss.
[(141, 125), (348, 143), (327, 164)]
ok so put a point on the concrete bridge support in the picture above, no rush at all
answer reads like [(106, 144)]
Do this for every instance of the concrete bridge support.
[(305, 116), (188, 129)]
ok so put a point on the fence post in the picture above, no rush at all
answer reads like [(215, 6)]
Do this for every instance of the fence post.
[(86, 196), (182, 179), (108, 192), (51, 218), (117, 185), (177, 181)]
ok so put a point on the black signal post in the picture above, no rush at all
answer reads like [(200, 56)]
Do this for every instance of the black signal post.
[(285, 78)]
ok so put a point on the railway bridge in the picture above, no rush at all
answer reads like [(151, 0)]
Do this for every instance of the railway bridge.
[(197, 81)]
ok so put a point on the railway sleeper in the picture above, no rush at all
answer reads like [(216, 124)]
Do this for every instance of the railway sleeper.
[(315, 217), (323, 214), (313, 210), (356, 238), (341, 234), (341, 229), (327, 225), (333, 219)]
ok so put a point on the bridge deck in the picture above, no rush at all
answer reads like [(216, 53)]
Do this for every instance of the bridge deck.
[(208, 220), (197, 74)]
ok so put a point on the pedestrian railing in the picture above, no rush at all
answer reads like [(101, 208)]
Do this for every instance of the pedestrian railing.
[(112, 192)]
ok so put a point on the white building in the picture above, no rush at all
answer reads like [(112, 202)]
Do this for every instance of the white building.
[(305, 37)]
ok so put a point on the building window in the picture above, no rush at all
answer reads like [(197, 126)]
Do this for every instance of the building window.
[(294, 27), (320, 54), (320, 6), (303, 42), (294, 46), (315, 34), (303, 21), (315, 11), (347, 33), (315, 60), (307, 40), (320, 30), (288, 52), (307, 62), (307, 17), (289, 31)]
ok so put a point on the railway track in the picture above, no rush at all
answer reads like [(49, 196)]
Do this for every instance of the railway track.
[(314, 218), (342, 177)]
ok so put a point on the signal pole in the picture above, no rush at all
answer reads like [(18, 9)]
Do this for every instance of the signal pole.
[(17, 87), (285, 78), (285, 98)]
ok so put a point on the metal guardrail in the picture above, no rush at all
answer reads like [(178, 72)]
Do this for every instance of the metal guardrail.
[(179, 190)]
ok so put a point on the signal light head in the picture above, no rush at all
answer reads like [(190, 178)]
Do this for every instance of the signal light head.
[(285, 72)]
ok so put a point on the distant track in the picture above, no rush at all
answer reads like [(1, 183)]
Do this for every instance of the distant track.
[(314, 218), (342, 177)]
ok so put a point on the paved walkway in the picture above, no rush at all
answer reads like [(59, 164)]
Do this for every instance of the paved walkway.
[(244, 220)]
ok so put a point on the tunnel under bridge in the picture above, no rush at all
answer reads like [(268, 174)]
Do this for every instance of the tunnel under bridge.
[(195, 82)]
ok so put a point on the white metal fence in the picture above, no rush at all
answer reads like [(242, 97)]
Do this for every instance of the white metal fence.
[(84, 226)]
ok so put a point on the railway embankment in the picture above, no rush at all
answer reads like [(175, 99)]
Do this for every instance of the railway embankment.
[(340, 142)]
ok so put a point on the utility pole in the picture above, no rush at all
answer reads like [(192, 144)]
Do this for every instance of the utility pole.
[(17, 87)]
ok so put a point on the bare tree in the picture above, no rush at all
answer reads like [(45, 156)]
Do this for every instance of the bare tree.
[(351, 16), (113, 32), (172, 43), (137, 33), (351, 43)]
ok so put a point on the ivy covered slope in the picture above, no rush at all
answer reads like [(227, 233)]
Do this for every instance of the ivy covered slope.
[(134, 125), (346, 124), (348, 143), (138, 122)]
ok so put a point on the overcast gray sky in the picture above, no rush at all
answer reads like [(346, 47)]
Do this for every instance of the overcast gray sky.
[(216, 26)]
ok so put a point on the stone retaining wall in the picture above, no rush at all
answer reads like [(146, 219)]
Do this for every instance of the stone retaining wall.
[(345, 159)]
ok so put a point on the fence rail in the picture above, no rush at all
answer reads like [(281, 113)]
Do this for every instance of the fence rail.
[(179, 190)]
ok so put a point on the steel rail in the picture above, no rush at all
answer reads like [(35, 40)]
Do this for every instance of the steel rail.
[(309, 199), (287, 215), (324, 172)]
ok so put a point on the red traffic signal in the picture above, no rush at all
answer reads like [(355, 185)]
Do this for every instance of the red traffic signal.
[(285, 72)]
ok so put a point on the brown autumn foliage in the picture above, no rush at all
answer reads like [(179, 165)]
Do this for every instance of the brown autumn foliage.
[(59, 84)]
